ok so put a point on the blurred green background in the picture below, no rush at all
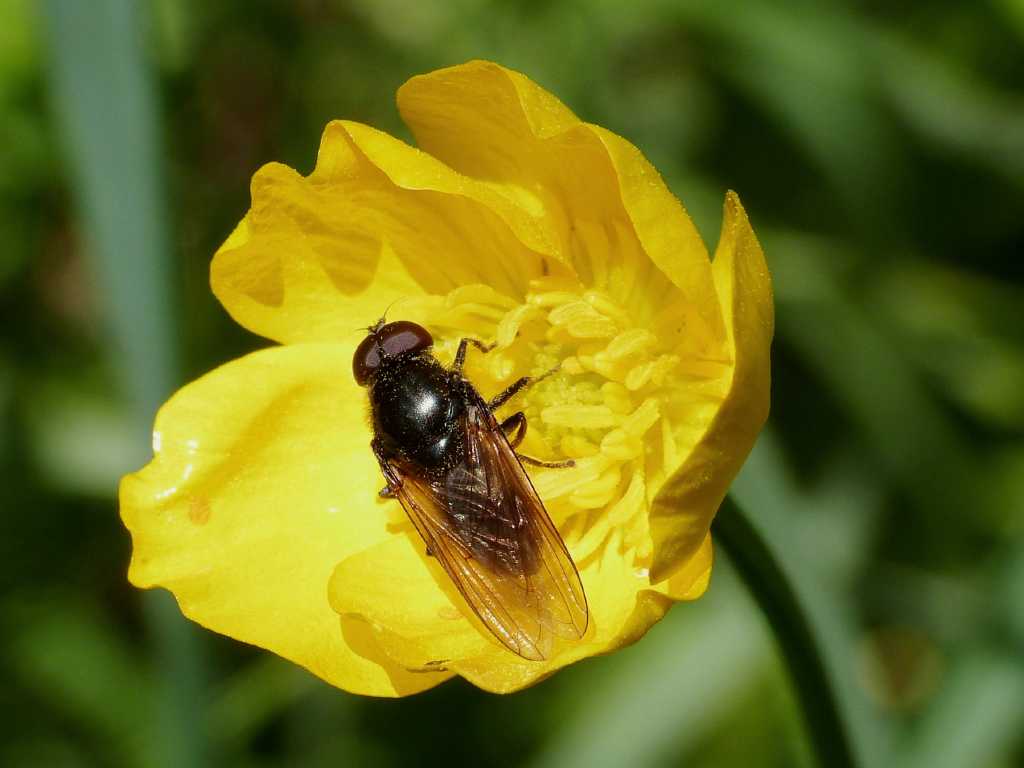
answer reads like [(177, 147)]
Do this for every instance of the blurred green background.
[(879, 150)]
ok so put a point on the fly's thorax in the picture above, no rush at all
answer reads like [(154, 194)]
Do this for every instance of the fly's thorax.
[(416, 409)]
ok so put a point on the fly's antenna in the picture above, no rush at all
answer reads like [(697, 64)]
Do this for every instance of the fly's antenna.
[(383, 318)]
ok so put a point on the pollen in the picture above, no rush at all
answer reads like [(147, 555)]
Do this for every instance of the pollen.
[(600, 395)]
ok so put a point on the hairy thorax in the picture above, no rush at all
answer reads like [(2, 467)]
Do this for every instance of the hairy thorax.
[(415, 412)]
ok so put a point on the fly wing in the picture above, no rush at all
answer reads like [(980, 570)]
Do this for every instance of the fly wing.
[(488, 528)]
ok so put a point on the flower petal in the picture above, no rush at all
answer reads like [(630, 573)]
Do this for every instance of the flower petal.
[(418, 618), (682, 511), (407, 598), (607, 205), (262, 481), (667, 234), (692, 578), (375, 221)]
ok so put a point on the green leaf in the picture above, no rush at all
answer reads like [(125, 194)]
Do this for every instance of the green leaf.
[(977, 717), (860, 363), (104, 99), (66, 651)]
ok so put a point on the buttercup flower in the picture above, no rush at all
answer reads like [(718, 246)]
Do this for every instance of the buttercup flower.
[(514, 222)]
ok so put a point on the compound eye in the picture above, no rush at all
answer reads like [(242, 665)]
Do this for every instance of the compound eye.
[(366, 360), (390, 341), (403, 337)]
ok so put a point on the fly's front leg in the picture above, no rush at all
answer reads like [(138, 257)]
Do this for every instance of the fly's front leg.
[(460, 354), (515, 388), (509, 392), (390, 490)]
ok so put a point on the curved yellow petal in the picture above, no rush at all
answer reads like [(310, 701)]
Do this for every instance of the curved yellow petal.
[(668, 236), (682, 511), (418, 618), (623, 231), (691, 579), (407, 599), (622, 608), (376, 220), (261, 482)]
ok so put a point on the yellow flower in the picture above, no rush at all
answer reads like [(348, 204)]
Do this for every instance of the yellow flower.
[(513, 222)]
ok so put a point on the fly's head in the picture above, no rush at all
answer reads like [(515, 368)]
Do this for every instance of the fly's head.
[(386, 342)]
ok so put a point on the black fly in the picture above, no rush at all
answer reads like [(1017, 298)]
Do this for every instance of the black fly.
[(455, 471)]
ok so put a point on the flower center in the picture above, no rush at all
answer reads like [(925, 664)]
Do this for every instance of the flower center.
[(600, 397)]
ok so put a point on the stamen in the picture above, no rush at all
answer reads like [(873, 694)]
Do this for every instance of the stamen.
[(581, 321), (635, 341), (621, 445), (614, 379), (552, 299), (599, 492), (580, 416), (508, 327), (626, 507), (607, 307), (643, 418), (577, 446), (616, 397)]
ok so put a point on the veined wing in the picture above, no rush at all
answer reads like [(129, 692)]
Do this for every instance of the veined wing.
[(489, 530)]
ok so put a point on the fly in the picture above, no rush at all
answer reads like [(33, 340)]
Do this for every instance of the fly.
[(456, 472)]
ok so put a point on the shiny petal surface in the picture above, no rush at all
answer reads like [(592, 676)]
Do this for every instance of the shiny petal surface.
[(262, 481), (376, 220), (422, 623), (615, 220), (682, 511)]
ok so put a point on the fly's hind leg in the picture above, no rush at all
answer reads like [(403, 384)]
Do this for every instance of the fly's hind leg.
[(516, 423), (549, 464), (515, 428)]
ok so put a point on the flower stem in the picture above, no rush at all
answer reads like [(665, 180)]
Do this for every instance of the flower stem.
[(792, 624)]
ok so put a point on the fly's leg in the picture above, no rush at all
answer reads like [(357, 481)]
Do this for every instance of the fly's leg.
[(390, 490), (509, 392), (515, 388), (515, 428), (460, 354), (549, 464)]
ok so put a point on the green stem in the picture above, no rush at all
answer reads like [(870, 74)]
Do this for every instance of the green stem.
[(798, 638)]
